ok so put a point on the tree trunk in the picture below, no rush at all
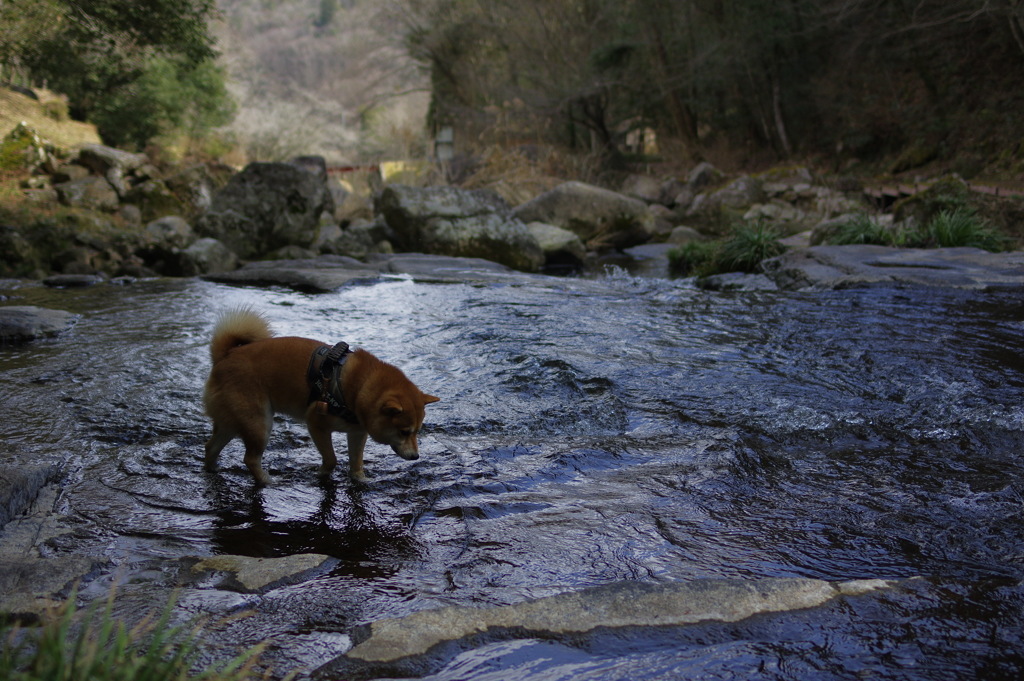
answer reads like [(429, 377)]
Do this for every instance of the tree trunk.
[(780, 123)]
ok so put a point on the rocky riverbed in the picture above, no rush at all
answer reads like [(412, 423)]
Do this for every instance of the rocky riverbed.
[(680, 479)]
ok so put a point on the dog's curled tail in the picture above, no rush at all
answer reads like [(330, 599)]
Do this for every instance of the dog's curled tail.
[(235, 327)]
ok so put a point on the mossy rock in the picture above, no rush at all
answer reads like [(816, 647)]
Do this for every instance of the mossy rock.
[(155, 200), (22, 148)]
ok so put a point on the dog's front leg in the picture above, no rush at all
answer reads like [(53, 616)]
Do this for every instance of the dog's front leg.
[(320, 431), (356, 444)]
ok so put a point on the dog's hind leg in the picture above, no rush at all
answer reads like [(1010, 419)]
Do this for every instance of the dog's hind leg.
[(218, 440), (255, 442)]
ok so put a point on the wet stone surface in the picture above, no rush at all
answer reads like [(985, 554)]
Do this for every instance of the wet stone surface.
[(591, 433)]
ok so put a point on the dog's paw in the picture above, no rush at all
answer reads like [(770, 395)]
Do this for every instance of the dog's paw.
[(362, 477)]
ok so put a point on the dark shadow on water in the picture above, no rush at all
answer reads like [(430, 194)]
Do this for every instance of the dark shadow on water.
[(327, 517)]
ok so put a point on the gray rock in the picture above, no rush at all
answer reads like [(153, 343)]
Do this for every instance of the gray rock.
[(643, 187), (683, 235), (704, 175), (92, 192), (21, 323), (601, 218), (460, 223), (113, 164), (831, 267), (558, 244), (206, 256), (70, 172), (265, 207), (623, 604), (170, 232), (741, 193), (357, 240)]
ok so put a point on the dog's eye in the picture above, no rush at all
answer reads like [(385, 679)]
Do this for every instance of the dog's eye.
[(405, 432)]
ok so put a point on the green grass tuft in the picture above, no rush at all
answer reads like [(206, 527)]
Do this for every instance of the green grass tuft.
[(99, 647), (961, 227), (742, 251), (861, 229), (748, 246)]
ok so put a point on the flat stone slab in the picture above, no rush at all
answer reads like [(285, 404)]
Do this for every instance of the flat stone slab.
[(623, 604), (72, 280), (439, 266), (323, 274), (22, 323), (251, 575), (329, 272), (836, 267)]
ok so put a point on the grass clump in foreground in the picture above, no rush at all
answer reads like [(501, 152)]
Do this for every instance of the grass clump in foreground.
[(101, 648), (742, 251)]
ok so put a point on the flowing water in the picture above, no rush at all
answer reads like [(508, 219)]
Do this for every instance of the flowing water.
[(590, 431)]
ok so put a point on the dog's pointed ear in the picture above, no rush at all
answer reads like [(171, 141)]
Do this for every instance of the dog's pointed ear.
[(391, 408), (430, 399)]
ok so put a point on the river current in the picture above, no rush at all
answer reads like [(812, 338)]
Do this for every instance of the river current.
[(589, 431)]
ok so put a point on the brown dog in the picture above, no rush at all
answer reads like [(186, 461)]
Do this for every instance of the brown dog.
[(256, 375)]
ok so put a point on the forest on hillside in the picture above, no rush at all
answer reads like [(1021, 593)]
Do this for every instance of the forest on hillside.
[(892, 85), (909, 81)]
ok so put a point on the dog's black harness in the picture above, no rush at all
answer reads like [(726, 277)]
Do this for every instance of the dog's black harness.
[(324, 377)]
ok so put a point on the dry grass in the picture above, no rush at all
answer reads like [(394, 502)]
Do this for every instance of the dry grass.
[(518, 176), (67, 134)]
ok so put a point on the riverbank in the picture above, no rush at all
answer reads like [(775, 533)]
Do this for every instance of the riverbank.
[(111, 214)]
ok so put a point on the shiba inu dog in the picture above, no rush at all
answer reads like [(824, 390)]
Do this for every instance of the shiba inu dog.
[(256, 375)]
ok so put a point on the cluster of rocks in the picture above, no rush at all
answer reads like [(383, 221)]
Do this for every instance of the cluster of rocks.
[(121, 215), (707, 204), (124, 216)]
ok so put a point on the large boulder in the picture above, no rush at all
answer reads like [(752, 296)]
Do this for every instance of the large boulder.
[(267, 206), (600, 217), (459, 222)]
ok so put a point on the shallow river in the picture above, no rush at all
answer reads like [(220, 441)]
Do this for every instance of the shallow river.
[(590, 431)]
